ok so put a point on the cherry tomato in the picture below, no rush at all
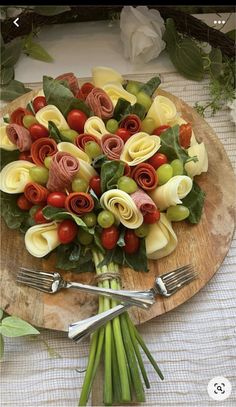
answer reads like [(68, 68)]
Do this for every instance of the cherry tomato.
[(150, 218), (159, 130), (23, 203), (157, 160), (56, 199), (84, 90), (131, 242), (39, 217), (67, 231), (95, 184), (38, 131), (18, 114), (38, 103), (76, 120), (185, 133), (25, 155), (109, 237), (123, 134)]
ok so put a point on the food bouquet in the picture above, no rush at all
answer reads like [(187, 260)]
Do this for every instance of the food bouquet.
[(96, 173)]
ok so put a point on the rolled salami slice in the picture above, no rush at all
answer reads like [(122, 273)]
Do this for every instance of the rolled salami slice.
[(145, 176), (143, 202), (35, 193), (17, 115), (100, 103), (132, 123), (82, 139), (112, 146), (84, 90), (20, 136), (62, 171), (79, 203), (42, 148), (71, 80)]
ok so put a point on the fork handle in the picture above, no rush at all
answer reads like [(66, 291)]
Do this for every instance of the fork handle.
[(143, 299), (79, 330)]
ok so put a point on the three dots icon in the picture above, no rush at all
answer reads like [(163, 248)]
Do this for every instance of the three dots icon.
[(219, 21)]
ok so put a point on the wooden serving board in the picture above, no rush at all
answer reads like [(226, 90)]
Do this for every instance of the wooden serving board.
[(204, 245)]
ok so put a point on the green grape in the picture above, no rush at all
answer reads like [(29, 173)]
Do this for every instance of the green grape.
[(84, 237), (68, 135), (127, 184), (92, 149), (79, 185), (105, 219), (164, 173), (177, 213), (28, 120), (178, 167), (142, 231), (47, 161), (133, 87), (148, 125), (144, 100), (33, 210), (112, 125), (39, 174), (90, 219)]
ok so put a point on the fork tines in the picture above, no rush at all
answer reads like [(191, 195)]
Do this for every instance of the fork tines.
[(36, 279), (179, 277)]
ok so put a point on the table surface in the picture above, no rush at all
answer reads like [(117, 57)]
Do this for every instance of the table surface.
[(193, 343)]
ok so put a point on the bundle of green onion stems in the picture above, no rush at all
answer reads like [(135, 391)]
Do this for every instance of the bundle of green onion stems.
[(119, 343)]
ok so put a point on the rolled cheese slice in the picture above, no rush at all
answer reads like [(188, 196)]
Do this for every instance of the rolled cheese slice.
[(196, 168), (5, 143), (123, 208), (162, 111), (70, 148), (86, 171), (139, 148), (103, 75), (14, 176), (115, 91), (51, 113), (42, 239), (94, 125), (172, 192), (161, 239)]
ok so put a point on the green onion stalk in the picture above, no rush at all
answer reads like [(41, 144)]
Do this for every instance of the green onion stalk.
[(118, 343)]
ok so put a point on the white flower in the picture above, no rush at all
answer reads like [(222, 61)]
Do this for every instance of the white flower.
[(141, 33), (232, 106)]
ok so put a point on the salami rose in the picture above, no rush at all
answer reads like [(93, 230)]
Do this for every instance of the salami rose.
[(82, 139), (62, 170), (100, 103), (127, 170), (143, 202), (42, 148), (20, 136), (145, 176), (79, 203), (35, 193), (71, 80), (132, 123), (112, 146), (84, 90), (18, 114)]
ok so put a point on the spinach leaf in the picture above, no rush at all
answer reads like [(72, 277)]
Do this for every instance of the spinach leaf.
[(99, 160), (97, 204), (121, 240), (30, 108), (137, 109), (52, 213), (170, 145), (8, 156), (54, 132), (111, 171), (120, 108), (10, 212), (72, 256), (12, 90), (97, 239), (115, 255), (150, 87), (194, 201), (59, 95)]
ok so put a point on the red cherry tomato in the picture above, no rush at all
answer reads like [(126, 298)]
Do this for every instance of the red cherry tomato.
[(109, 237), (38, 131), (95, 184), (185, 133), (84, 90), (157, 160), (76, 120), (39, 217), (123, 134), (56, 199), (18, 114), (67, 231), (38, 103), (23, 203), (151, 217), (159, 130), (25, 155), (131, 242)]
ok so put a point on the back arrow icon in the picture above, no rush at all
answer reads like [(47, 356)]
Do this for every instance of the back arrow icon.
[(15, 22)]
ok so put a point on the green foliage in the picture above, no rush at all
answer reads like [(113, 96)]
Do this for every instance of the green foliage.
[(111, 171), (170, 145), (13, 327), (54, 132), (194, 201), (35, 50), (6, 75), (150, 87), (13, 90), (11, 213), (73, 256)]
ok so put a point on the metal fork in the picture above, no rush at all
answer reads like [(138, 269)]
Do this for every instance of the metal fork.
[(166, 285)]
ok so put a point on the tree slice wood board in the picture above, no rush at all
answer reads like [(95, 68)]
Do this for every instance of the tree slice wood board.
[(204, 245)]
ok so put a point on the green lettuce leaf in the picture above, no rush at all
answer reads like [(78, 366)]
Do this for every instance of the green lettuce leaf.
[(54, 132), (8, 156), (13, 216), (111, 171), (170, 145), (194, 201), (73, 256), (52, 213)]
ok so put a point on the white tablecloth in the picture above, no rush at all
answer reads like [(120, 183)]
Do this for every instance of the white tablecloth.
[(192, 343)]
